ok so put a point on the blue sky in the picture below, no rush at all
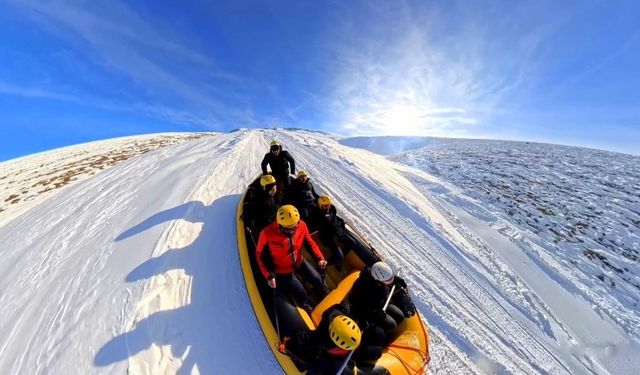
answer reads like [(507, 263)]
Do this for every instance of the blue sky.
[(552, 71)]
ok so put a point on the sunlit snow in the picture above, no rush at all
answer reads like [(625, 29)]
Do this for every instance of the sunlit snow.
[(135, 269)]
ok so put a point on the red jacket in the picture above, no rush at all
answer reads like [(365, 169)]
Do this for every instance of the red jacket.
[(280, 248)]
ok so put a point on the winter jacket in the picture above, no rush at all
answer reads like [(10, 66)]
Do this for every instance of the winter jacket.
[(328, 223), (281, 165), (285, 251), (303, 194), (308, 345), (367, 296), (260, 208)]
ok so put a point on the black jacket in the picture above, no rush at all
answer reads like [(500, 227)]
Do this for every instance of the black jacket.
[(308, 345), (303, 194), (259, 208), (367, 297), (328, 223), (281, 165)]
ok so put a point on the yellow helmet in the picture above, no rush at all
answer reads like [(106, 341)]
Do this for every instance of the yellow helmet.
[(267, 179), (288, 216), (324, 200), (302, 173), (344, 332), (274, 143)]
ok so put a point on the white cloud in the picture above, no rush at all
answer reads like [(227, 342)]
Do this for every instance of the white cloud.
[(432, 74)]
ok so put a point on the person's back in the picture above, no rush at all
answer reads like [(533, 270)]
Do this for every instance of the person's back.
[(370, 293), (324, 349), (367, 296)]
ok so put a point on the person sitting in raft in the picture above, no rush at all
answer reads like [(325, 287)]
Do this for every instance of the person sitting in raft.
[(371, 291), (303, 194), (261, 205), (331, 228), (324, 350), (284, 239)]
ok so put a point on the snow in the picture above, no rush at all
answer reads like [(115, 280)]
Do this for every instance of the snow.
[(135, 268)]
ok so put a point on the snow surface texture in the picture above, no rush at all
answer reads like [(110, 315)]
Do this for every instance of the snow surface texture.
[(135, 269), (26, 181)]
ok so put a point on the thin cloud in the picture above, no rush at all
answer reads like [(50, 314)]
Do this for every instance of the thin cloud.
[(475, 63), (125, 43), (159, 112)]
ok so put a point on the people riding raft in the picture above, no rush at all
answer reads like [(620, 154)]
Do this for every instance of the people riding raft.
[(284, 239), (370, 293), (331, 228), (261, 204), (303, 194), (325, 349), (281, 163)]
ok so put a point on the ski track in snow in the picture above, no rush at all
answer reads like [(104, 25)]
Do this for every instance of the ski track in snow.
[(136, 269), (445, 287)]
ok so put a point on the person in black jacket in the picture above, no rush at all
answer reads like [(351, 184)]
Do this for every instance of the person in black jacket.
[(303, 194), (371, 291), (325, 349), (331, 228), (261, 204), (281, 163)]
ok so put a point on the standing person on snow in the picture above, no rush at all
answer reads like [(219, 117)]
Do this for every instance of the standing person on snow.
[(261, 205), (303, 194), (284, 239), (281, 163), (370, 292), (325, 349), (325, 220)]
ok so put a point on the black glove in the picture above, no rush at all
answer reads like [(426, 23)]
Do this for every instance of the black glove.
[(401, 283), (404, 302)]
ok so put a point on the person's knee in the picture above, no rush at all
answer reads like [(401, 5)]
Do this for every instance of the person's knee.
[(396, 314), (388, 324)]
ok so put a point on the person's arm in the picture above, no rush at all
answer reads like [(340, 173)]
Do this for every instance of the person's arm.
[(313, 191), (262, 243), (265, 161), (399, 281), (312, 244), (292, 163)]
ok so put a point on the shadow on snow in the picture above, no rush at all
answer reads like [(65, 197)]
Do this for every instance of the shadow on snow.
[(218, 314)]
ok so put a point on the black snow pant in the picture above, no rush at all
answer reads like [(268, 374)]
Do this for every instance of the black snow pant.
[(338, 245), (393, 317), (290, 284)]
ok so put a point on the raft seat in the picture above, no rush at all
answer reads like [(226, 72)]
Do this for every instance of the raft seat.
[(335, 296), (333, 277)]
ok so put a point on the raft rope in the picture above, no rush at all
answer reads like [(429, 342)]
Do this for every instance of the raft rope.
[(423, 354)]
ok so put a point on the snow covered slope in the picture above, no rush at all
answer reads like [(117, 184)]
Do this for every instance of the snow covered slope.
[(26, 181), (135, 269)]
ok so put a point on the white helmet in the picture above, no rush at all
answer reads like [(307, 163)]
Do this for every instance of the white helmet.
[(381, 272)]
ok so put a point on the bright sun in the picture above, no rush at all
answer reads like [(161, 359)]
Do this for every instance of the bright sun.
[(402, 119)]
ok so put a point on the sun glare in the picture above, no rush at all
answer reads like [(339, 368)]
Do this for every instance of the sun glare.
[(403, 120)]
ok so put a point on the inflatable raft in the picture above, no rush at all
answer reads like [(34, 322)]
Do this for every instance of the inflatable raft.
[(408, 353)]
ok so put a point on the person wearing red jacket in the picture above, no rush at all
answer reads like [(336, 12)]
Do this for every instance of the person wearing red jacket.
[(284, 239)]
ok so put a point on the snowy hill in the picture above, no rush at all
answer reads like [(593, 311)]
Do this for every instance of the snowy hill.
[(135, 269)]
